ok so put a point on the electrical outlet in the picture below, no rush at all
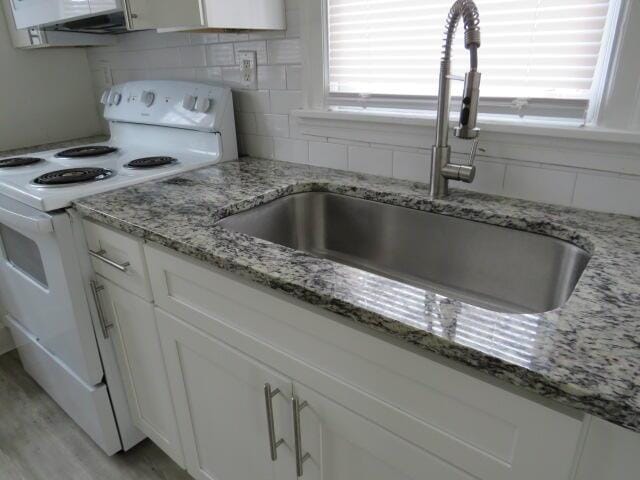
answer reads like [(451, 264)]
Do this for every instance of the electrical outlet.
[(248, 61)]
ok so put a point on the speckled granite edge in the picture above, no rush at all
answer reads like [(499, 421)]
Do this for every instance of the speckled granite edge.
[(556, 378)]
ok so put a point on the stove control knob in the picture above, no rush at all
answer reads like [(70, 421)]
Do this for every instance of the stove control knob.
[(114, 98), (147, 98), (104, 99), (203, 104), (189, 102)]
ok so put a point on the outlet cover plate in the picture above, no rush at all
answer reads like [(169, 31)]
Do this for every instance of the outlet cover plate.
[(248, 62)]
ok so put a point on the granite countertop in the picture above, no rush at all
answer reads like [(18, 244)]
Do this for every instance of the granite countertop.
[(585, 354), (54, 145)]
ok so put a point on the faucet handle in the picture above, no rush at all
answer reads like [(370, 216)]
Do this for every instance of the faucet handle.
[(474, 150), (462, 173)]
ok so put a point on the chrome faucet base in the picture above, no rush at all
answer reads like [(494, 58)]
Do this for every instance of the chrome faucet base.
[(439, 159)]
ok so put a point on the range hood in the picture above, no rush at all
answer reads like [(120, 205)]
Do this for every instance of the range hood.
[(108, 23)]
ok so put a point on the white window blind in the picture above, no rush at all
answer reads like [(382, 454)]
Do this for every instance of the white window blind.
[(535, 49)]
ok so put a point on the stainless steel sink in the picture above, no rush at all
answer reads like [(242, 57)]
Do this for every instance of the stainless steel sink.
[(489, 266)]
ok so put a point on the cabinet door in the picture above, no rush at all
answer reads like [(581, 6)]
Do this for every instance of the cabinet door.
[(31, 13), (221, 408), (343, 445), (104, 6), (145, 14), (139, 355)]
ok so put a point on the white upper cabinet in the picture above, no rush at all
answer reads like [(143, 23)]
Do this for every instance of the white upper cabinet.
[(217, 14), (249, 14), (31, 13), (104, 6), (150, 14), (160, 14)]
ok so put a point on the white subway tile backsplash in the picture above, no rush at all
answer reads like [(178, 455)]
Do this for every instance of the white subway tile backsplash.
[(266, 34), (251, 100), (175, 39), (608, 193), (140, 40), (539, 184), (370, 160), (284, 51), (259, 146), (198, 38), (242, 145), (220, 54), (260, 47), (329, 155), (411, 166), (246, 123), (193, 56), (209, 74), (272, 77), (489, 177), (283, 101), (232, 76), (272, 125), (188, 74), (121, 76), (162, 58), (289, 150), (294, 77)]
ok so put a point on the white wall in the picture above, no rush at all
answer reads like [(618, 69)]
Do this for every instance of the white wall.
[(265, 129), (45, 95)]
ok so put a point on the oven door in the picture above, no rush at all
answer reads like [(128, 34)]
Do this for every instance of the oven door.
[(41, 286)]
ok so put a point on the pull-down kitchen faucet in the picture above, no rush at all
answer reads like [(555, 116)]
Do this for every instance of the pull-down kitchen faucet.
[(442, 170)]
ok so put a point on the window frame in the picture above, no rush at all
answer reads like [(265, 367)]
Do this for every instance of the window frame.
[(572, 112)]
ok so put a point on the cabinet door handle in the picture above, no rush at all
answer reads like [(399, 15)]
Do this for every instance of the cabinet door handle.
[(297, 433), (104, 325), (273, 444), (100, 256)]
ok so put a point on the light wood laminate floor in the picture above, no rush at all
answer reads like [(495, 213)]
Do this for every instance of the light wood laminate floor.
[(38, 441)]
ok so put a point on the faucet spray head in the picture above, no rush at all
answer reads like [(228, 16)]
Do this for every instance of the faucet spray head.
[(466, 128)]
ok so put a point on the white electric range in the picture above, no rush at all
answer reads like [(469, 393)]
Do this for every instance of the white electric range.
[(158, 128)]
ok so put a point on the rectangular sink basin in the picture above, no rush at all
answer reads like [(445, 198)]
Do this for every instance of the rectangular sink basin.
[(489, 266)]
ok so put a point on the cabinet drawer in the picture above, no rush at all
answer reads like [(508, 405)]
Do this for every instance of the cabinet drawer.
[(119, 258), (450, 414)]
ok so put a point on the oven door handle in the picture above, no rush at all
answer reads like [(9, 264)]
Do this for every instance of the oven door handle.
[(17, 220)]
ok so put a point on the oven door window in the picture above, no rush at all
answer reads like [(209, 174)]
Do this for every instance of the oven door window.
[(23, 254)]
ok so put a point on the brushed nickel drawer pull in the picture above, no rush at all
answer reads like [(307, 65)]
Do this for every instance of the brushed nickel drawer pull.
[(273, 444), (297, 433), (104, 326), (100, 256)]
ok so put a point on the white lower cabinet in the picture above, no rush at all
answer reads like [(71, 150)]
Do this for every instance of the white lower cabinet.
[(343, 445), (221, 407), (374, 410), (135, 337), (237, 382)]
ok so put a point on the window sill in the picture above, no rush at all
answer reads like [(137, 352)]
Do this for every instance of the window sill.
[(395, 127)]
